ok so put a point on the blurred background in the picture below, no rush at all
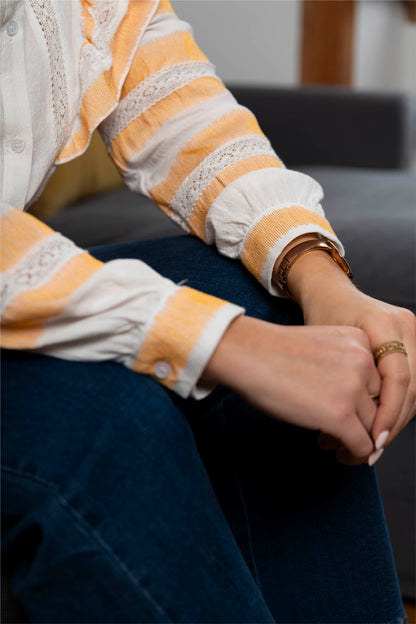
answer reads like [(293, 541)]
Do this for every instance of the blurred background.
[(365, 44)]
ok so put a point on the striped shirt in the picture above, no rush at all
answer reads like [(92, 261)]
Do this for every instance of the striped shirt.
[(132, 69)]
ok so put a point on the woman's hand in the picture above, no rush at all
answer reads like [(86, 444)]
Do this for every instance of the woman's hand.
[(329, 298), (318, 378)]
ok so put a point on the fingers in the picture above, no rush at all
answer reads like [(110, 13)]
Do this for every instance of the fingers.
[(395, 374), (398, 373), (367, 411), (365, 408), (354, 437)]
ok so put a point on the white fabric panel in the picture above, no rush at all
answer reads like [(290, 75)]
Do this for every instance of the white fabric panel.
[(239, 206), (163, 26), (5, 209), (15, 114), (152, 164), (109, 315), (200, 355)]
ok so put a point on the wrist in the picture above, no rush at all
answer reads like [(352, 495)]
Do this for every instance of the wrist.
[(315, 273), (307, 262)]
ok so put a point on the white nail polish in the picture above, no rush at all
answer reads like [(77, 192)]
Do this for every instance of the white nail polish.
[(375, 456), (382, 438)]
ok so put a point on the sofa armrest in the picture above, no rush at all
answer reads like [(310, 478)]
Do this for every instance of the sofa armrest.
[(335, 126)]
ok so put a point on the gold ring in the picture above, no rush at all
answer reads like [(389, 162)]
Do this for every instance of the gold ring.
[(375, 397), (395, 346)]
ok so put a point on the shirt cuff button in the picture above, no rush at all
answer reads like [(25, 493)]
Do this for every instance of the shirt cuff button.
[(162, 370)]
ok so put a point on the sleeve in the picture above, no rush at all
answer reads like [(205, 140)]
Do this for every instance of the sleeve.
[(180, 137), (59, 300)]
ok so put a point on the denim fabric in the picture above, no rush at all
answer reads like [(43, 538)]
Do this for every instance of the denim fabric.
[(125, 503)]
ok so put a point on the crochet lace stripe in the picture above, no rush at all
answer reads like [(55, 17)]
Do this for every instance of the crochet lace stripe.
[(150, 91), (46, 17), (107, 15), (226, 155), (37, 267)]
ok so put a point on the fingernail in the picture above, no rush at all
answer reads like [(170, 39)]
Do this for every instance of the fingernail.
[(382, 438), (375, 456)]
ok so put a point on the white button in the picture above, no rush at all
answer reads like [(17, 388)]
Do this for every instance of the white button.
[(162, 370), (12, 28), (18, 145)]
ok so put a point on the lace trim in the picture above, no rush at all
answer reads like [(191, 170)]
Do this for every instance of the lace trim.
[(150, 91), (228, 154), (107, 15), (96, 56), (45, 15), (37, 267)]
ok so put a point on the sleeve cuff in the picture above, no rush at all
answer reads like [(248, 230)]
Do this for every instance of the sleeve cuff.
[(273, 231), (182, 338)]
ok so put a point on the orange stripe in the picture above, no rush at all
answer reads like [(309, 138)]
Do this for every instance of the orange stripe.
[(177, 330), (20, 232), (265, 234), (23, 320), (88, 24), (101, 96), (178, 47), (231, 126), (126, 37), (24, 336), (164, 7), (233, 172), (134, 137)]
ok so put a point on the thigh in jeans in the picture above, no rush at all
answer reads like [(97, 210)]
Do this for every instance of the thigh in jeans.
[(109, 514), (315, 535)]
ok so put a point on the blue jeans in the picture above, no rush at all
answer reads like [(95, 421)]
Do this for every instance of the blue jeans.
[(125, 503)]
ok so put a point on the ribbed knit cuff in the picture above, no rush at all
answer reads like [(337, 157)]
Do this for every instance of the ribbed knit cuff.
[(182, 338), (273, 231)]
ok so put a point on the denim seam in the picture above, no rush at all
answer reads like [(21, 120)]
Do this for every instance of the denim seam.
[(29, 475), (84, 526), (241, 496)]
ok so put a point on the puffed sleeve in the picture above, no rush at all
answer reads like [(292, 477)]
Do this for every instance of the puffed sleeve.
[(58, 300), (180, 137)]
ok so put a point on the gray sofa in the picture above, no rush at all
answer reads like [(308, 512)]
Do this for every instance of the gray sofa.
[(360, 147)]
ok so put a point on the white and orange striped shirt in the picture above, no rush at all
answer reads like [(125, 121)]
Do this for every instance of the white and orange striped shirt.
[(177, 135)]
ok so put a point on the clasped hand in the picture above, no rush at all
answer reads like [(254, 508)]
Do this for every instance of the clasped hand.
[(379, 323), (321, 376)]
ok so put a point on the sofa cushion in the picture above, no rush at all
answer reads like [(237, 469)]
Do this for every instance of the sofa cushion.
[(114, 217), (373, 213), (335, 126)]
